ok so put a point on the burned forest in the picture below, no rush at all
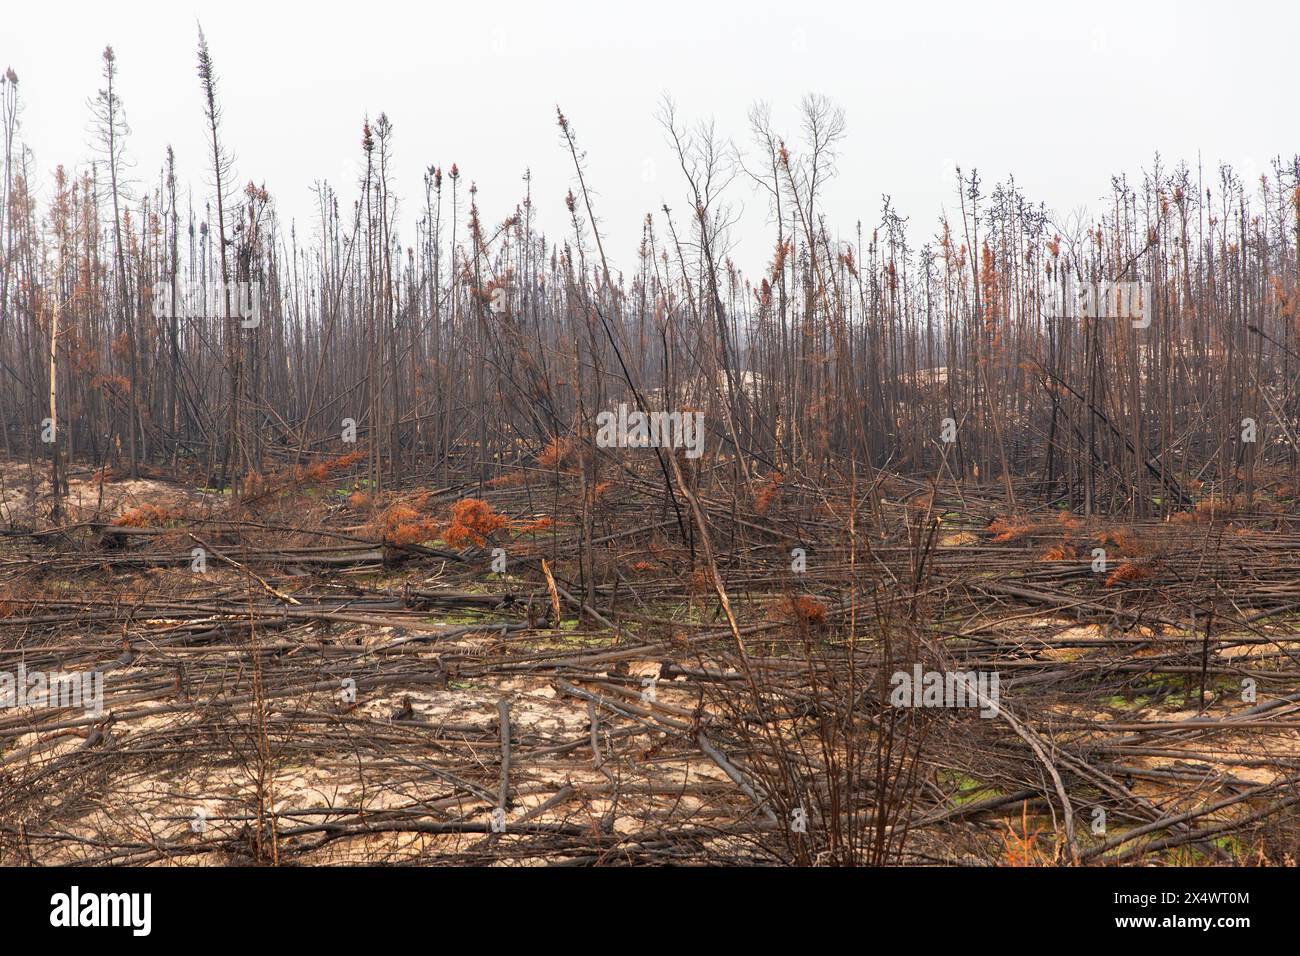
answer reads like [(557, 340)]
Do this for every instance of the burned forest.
[(413, 532)]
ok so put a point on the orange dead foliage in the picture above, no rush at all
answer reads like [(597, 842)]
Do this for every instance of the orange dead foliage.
[(144, 516), (1208, 510), (701, 581), (257, 485), (806, 609), (1069, 522), (401, 524), (1060, 552), (922, 503), (556, 454), (321, 470), (1015, 527), (769, 493), (1129, 571), (112, 383), (1021, 849), (1010, 529), (1125, 542), (472, 520), (529, 527)]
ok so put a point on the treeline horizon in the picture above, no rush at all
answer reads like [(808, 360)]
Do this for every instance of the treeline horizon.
[(477, 346)]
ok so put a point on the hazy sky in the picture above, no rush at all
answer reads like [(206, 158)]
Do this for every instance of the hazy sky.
[(1061, 95)]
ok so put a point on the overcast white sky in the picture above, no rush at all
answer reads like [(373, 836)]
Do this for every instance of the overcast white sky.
[(1062, 95)]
